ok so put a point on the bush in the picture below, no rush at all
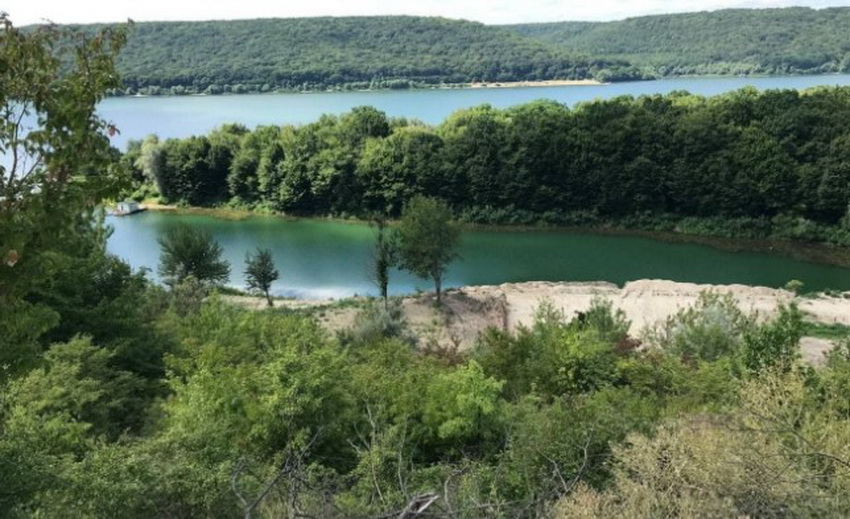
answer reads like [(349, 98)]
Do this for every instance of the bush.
[(775, 343), (713, 328), (378, 321), (611, 325), (551, 357)]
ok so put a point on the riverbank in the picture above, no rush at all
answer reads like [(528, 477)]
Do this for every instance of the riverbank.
[(219, 91), (214, 212), (468, 311), (412, 85)]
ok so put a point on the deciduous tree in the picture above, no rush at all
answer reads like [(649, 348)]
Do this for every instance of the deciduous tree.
[(56, 166), (186, 252), (260, 272), (428, 239)]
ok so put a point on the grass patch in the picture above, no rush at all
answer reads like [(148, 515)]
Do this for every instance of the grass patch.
[(233, 291), (826, 331)]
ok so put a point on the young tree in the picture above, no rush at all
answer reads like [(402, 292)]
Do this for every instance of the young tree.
[(186, 252), (260, 272), (384, 256), (428, 239)]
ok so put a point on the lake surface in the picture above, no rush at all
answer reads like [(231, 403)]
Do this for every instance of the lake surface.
[(183, 116), (331, 259)]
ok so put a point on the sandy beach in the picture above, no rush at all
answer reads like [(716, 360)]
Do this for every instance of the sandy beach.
[(542, 83)]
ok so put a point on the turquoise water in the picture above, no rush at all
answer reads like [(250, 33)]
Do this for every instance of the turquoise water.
[(331, 259), (319, 258), (190, 115)]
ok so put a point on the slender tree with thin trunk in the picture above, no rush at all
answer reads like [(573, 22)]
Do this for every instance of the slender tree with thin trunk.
[(260, 272), (384, 256)]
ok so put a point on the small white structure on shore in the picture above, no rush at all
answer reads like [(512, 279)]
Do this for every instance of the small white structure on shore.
[(127, 207)]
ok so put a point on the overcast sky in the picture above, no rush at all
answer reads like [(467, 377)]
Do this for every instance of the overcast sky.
[(24, 12)]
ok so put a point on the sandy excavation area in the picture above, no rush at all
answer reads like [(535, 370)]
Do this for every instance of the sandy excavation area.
[(468, 311)]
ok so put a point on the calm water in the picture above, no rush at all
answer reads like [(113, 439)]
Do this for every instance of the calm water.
[(330, 259), (185, 116)]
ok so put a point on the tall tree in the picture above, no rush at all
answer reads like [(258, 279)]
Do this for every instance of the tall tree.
[(57, 166), (428, 239), (260, 272), (190, 252)]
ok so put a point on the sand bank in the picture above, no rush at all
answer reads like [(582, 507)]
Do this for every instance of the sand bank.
[(470, 310), (543, 83)]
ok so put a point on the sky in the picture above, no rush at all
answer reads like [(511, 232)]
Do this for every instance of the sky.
[(25, 12)]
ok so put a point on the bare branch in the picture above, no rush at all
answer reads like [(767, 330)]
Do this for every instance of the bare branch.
[(234, 480)]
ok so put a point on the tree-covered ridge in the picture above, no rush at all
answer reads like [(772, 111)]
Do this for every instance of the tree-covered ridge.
[(765, 161), (357, 52), (734, 41)]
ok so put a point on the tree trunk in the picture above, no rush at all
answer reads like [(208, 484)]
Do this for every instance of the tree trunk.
[(269, 299), (438, 283)]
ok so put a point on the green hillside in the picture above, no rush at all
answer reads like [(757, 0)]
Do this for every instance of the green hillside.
[(736, 41), (317, 53)]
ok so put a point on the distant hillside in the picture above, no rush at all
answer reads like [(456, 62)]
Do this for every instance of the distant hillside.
[(737, 41), (362, 52)]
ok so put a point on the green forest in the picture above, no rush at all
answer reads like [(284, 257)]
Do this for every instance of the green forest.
[(392, 52), (747, 163), (795, 40), (123, 398), (353, 53)]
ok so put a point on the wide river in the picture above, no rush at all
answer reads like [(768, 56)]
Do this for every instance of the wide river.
[(330, 259), (183, 116)]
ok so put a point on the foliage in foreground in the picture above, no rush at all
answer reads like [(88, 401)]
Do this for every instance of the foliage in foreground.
[(262, 410)]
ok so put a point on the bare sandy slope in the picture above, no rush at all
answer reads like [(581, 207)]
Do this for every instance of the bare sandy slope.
[(470, 310)]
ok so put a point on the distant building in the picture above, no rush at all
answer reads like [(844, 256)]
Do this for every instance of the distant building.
[(128, 207)]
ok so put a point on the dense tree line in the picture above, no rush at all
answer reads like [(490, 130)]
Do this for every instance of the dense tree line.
[(355, 53), (796, 40), (748, 161)]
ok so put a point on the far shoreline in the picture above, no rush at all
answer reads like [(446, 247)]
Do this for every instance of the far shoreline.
[(540, 83), (440, 86), (343, 88)]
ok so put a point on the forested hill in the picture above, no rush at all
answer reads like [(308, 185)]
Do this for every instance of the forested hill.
[(316, 53), (736, 41)]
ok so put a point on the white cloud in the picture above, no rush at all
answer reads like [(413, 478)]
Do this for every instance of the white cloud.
[(25, 12)]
